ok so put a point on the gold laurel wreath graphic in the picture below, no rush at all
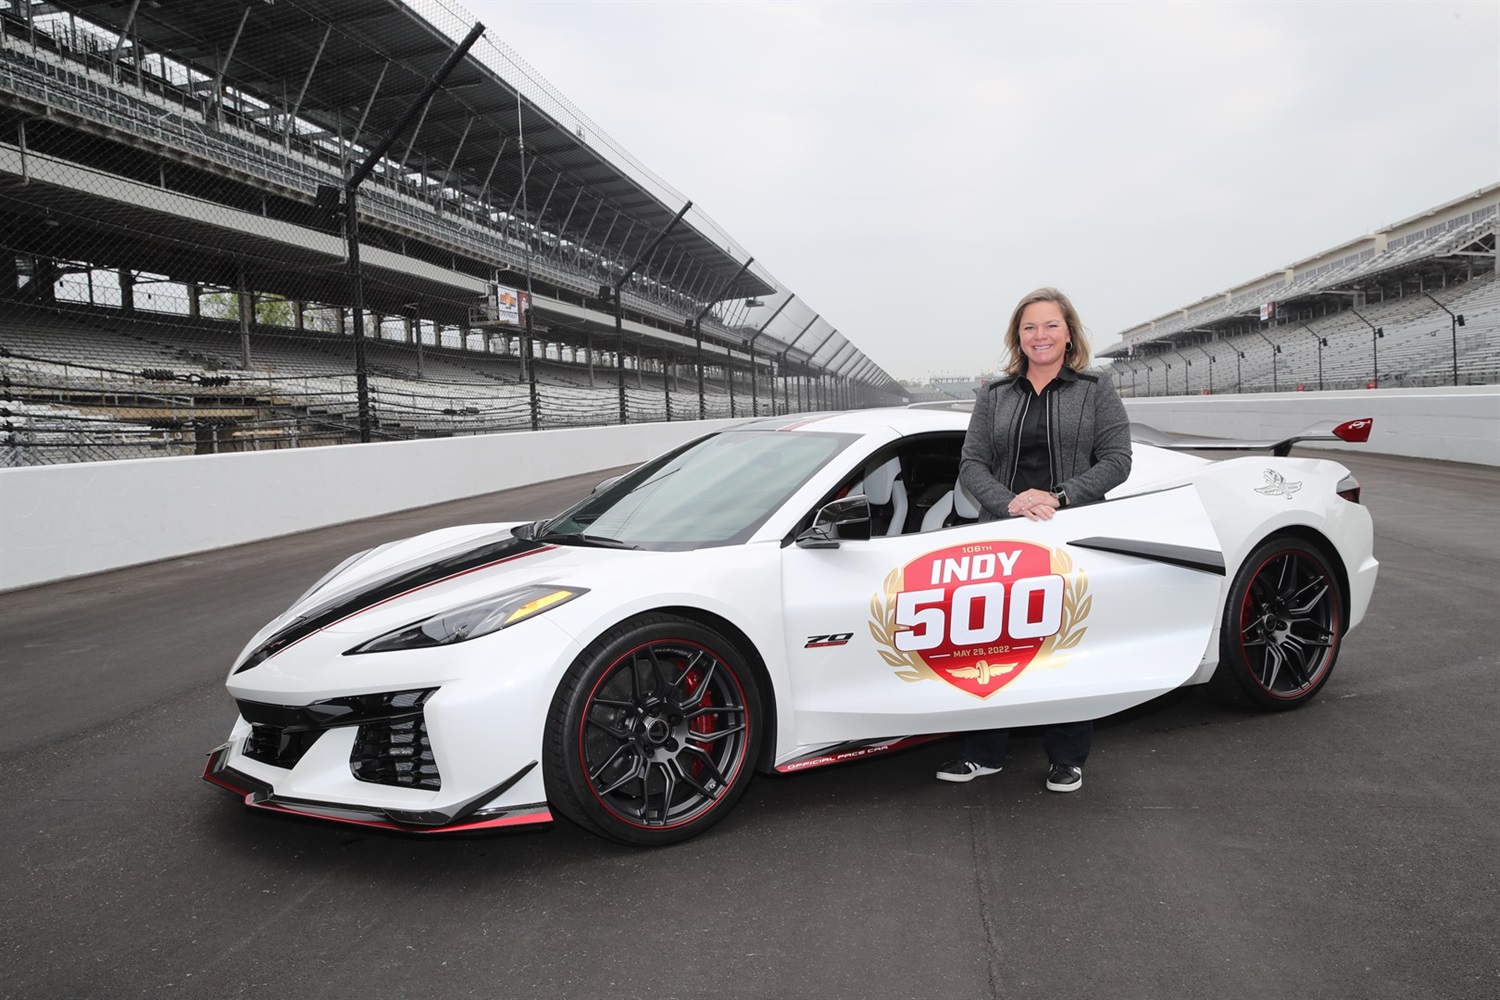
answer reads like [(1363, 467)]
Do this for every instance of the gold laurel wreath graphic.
[(910, 666), (1077, 603)]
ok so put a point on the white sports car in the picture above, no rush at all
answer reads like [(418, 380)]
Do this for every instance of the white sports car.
[(790, 593)]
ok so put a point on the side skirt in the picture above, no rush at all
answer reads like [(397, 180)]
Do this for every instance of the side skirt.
[(842, 753)]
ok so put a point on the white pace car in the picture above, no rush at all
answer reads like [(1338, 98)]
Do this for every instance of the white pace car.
[(789, 593)]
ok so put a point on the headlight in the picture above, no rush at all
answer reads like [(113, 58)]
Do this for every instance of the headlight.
[(473, 620)]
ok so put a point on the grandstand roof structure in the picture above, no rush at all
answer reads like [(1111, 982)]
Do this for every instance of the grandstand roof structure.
[(1450, 244), (120, 121), (365, 61)]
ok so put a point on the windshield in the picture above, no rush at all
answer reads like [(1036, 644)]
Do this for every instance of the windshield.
[(713, 491)]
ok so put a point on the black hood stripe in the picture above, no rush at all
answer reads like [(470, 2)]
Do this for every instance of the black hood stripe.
[(382, 591)]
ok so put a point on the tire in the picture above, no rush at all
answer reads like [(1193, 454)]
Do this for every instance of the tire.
[(653, 733), (1283, 623)]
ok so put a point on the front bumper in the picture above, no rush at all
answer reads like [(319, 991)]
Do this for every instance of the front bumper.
[(426, 740), (472, 814)]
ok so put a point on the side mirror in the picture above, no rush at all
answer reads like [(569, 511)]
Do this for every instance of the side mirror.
[(846, 518), (605, 484)]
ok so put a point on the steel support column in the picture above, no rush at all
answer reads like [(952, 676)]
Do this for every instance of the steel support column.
[(306, 81), (613, 292), (750, 346), (351, 226)]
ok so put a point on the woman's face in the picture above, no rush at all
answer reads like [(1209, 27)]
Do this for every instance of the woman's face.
[(1044, 334)]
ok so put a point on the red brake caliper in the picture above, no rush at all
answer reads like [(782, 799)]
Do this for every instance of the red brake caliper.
[(703, 725)]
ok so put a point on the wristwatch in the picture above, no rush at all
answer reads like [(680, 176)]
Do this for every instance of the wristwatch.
[(1062, 497)]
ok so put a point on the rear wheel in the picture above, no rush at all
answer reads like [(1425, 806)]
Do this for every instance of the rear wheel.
[(653, 732), (1282, 626)]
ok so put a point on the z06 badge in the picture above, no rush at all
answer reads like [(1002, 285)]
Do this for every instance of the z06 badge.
[(832, 639), (977, 616)]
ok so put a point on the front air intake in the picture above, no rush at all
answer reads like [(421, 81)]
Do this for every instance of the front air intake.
[(395, 753), (279, 747), (390, 740)]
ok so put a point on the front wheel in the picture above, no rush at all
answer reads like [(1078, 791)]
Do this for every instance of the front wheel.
[(653, 732), (1282, 626)]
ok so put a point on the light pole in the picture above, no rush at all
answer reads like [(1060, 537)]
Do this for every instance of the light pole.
[(1239, 356), (1376, 332), (750, 346), (609, 294), (1322, 343), (1275, 350), (1457, 320), (1210, 357), (332, 199), (695, 327)]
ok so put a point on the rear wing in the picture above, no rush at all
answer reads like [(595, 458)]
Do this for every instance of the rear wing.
[(1352, 431)]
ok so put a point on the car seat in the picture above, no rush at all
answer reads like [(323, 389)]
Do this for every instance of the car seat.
[(956, 506), (887, 494)]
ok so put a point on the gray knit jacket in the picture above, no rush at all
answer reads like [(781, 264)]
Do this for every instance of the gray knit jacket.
[(1088, 435)]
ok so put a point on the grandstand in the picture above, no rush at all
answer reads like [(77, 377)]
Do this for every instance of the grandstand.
[(1413, 304), (229, 226)]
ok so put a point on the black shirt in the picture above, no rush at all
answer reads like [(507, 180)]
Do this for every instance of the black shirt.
[(1033, 448)]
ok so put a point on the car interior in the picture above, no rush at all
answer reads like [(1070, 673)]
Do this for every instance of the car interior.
[(914, 487)]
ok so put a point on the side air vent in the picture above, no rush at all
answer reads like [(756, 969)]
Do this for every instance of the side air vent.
[(395, 753)]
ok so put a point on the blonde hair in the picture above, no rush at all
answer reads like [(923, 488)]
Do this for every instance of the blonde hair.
[(1078, 354)]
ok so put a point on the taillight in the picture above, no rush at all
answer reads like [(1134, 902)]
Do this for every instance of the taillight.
[(1349, 489)]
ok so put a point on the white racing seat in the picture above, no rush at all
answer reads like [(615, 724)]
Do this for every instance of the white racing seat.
[(954, 507), (884, 488)]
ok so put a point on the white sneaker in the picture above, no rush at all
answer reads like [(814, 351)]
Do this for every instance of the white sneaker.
[(964, 770)]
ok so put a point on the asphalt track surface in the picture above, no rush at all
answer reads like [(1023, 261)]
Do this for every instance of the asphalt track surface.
[(1350, 849)]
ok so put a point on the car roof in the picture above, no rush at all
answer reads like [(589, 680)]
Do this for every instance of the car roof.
[(900, 419)]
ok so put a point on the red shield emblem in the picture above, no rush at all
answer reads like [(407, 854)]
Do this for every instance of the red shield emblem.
[(977, 615)]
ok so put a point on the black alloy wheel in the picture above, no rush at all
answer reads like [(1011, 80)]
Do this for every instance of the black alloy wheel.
[(1282, 626), (653, 733)]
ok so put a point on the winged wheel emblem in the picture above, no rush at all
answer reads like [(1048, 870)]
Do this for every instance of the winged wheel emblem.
[(1277, 485)]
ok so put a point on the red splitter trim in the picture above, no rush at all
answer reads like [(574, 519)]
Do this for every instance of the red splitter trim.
[(529, 818), (213, 772)]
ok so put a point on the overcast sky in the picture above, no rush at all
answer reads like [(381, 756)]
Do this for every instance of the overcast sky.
[(911, 170)]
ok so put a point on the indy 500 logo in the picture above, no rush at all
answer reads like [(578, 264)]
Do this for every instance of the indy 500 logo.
[(977, 616)]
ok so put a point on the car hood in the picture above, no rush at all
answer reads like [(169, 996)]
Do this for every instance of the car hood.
[(412, 579)]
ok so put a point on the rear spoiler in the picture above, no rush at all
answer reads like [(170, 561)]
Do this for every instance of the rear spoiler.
[(1352, 431)]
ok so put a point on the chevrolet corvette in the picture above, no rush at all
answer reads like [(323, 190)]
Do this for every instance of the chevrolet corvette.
[(792, 592)]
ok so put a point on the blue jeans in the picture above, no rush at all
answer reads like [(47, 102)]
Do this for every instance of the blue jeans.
[(1068, 743)]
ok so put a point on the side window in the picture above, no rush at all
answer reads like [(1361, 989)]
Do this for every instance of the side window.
[(912, 487), (933, 485)]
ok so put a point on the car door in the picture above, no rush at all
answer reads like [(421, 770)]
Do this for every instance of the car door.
[(1000, 623)]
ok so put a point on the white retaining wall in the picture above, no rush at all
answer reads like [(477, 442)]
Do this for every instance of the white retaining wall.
[(59, 521), (63, 521), (1460, 424)]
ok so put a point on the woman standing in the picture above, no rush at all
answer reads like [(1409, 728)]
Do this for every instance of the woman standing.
[(1047, 435)]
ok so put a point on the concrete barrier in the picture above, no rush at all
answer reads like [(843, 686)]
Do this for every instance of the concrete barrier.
[(60, 521), (63, 521), (1459, 424)]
